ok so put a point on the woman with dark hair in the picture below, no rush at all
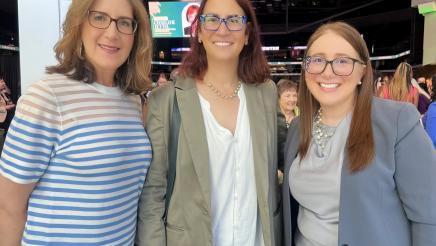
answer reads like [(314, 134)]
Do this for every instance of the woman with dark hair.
[(76, 154), (429, 119), (348, 158), (225, 182)]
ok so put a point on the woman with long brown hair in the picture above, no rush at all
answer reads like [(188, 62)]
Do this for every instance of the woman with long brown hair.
[(76, 154), (225, 181), (348, 156)]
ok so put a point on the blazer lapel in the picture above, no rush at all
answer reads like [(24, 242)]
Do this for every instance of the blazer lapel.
[(194, 132), (259, 139)]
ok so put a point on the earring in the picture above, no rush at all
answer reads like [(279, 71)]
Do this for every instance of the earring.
[(246, 42), (199, 41), (80, 51), (359, 83)]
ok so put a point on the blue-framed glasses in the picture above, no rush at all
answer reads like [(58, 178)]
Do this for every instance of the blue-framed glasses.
[(213, 22)]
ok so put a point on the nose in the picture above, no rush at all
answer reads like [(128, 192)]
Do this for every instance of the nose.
[(222, 28), (328, 70), (112, 30)]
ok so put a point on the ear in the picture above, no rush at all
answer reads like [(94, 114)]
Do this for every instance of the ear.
[(247, 31), (199, 36), (363, 72)]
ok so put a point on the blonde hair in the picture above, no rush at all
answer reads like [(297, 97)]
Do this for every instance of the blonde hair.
[(400, 83), (131, 77), (360, 142)]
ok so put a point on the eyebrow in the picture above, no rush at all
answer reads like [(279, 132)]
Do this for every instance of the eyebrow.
[(335, 55), (122, 16), (217, 15)]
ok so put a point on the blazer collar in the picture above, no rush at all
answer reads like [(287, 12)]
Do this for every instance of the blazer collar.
[(259, 138), (194, 131)]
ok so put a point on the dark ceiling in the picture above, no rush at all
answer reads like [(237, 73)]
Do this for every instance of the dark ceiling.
[(388, 26)]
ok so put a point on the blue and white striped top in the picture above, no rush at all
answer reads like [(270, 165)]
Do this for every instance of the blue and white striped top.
[(85, 147)]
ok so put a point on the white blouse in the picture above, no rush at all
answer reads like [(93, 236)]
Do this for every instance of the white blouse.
[(235, 218)]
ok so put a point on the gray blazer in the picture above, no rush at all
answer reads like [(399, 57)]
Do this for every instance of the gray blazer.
[(189, 212), (393, 201)]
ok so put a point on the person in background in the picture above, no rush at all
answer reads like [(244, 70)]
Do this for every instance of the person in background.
[(429, 82), (225, 187), (287, 111), (6, 105), (429, 119), (348, 155), (76, 154), (162, 80), (400, 88), (191, 14)]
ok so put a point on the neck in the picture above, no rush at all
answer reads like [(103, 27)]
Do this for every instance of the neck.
[(287, 113), (222, 73), (221, 77), (332, 115), (105, 78)]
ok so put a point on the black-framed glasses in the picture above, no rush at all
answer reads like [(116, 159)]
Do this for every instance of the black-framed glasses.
[(342, 66), (102, 20), (213, 22)]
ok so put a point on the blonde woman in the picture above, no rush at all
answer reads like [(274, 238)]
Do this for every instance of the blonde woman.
[(76, 154), (400, 88)]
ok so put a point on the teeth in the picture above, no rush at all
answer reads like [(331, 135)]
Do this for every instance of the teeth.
[(222, 43), (108, 47), (329, 85)]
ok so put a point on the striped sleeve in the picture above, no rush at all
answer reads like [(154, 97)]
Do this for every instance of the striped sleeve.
[(32, 136)]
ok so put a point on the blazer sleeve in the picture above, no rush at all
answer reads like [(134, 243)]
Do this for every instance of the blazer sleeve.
[(415, 176), (151, 229), (430, 123)]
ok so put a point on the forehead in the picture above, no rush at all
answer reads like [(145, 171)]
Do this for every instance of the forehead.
[(290, 90), (332, 45), (223, 8), (115, 8)]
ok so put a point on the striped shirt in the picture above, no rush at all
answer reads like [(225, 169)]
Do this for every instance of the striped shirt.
[(85, 147)]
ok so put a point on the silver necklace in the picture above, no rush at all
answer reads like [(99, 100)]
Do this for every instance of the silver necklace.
[(321, 133), (223, 96)]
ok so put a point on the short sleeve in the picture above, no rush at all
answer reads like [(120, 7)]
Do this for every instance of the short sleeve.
[(32, 136)]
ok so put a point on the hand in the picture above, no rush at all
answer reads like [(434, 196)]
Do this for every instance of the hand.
[(9, 106), (280, 176)]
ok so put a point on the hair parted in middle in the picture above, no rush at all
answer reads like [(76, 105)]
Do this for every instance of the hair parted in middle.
[(252, 67), (360, 143), (131, 77), (401, 82)]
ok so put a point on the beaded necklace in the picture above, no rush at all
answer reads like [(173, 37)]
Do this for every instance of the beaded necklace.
[(321, 133), (219, 94)]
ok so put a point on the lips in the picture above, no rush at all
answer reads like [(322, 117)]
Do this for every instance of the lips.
[(109, 48)]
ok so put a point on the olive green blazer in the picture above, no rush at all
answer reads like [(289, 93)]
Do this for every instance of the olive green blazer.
[(189, 212)]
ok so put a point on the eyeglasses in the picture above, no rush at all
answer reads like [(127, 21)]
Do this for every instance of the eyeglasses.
[(102, 20), (213, 23), (342, 66)]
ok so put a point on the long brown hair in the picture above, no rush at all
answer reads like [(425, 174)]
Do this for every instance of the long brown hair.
[(401, 82), (360, 143), (131, 77), (252, 67)]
